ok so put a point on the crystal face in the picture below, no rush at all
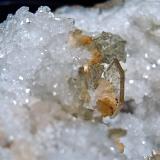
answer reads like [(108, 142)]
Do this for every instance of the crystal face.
[(53, 86), (115, 75), (108, 90), (60, 85), (111, 46)]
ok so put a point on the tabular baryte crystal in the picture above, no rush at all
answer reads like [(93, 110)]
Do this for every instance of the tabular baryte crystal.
[(104, 48), (111, 46)]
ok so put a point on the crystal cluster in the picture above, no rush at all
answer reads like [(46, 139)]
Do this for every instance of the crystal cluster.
[(58, 82), (138, 23), (51, 83)]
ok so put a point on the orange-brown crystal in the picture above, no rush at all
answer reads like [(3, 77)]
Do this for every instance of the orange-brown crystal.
[(106, 99)]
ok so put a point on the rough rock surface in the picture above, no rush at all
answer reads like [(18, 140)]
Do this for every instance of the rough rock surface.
[(35, 62)]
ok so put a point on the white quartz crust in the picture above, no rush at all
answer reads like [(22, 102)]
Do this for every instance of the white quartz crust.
[(35, 59)]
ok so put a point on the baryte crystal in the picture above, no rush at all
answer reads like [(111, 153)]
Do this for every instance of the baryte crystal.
[(115, 75), (106, 99), (111, 46), (109, 96), (116, 134)]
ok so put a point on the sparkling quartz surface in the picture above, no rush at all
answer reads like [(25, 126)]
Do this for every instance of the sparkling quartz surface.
[(36, 60)]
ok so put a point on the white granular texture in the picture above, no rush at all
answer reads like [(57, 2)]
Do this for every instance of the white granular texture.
[(35, 60)]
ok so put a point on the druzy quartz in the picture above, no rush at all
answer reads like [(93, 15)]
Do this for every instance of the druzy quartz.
[(60, 70), (54, 85)]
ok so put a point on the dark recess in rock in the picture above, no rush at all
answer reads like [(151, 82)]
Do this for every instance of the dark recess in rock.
[(10, 6)]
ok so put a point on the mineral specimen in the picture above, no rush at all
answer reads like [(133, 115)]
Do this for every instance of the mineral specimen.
[(51, 77), (42, 54), (104, 49), (137, 22), (116, 134)]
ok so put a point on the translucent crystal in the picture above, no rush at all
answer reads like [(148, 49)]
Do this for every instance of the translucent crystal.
[(111, 46), (36, 120), (115, 74), (89, 78)]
